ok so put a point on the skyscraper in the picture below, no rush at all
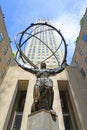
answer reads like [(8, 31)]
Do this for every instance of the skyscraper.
[(37, 51)]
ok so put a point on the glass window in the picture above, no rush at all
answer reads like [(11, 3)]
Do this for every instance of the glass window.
[(39, 54), (1, 37), (38, 62), (0, 59), (77, 62), (47, 61), (1, 74), (86, 60), (32, 57), (54, 61), (38, 51), (43, 57), (83, 73), (81, 51), (84, 37), (17, 112), (33, 54), (9, 61), (5, 50), (28, 55)]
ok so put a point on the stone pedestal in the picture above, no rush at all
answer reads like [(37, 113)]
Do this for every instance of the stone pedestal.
[(42, 120)]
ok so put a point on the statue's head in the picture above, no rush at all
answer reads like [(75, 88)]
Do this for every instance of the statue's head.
[(43, 65)]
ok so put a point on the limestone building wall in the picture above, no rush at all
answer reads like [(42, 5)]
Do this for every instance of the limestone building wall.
[(6, 56), (80, 54)]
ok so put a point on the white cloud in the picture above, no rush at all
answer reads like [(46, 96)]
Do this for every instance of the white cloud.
[(69, 23), (69, 26), (83, 8)]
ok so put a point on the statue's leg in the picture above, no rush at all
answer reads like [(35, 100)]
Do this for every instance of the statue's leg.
[(36, 95), (53, 113), (51, 97)]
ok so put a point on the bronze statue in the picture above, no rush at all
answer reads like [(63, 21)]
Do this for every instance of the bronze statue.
[(43, 93)]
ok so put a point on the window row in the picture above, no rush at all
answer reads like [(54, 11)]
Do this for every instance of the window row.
[(83, 73), (8, 62), (1, 37), (77, 62), (81, 51)]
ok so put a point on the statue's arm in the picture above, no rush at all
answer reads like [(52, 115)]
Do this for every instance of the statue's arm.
[(57, 70), (27, 68)]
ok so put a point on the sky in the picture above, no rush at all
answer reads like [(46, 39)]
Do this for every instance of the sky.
[(64, 14)]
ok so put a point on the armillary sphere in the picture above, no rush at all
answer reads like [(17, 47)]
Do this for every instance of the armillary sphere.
[(36, 31)]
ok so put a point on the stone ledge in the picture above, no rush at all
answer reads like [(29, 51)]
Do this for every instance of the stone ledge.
[(42, 120)]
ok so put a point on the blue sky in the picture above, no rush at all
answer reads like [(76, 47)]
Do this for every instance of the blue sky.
[(64, 14)]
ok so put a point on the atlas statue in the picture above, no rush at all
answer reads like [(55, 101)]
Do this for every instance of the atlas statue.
[(43, 94)]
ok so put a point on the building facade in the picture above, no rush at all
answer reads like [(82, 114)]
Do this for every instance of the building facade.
[(16, 94), (80, 55), (6, 56)]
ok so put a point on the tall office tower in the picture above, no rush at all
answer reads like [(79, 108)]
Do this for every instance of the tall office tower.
[(16, 95), (80, 55), (6, 58), (37, 51)]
